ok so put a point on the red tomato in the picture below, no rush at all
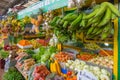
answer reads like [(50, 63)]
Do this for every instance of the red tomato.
[(69, 73)]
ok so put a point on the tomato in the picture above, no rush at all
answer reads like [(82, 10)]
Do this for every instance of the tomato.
[(69, 73)]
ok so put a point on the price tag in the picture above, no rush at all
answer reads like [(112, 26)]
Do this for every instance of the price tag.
[(85, 75)]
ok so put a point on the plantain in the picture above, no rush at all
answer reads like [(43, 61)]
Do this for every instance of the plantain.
[(106, 34), (65, 24), (58, 21), (53, 22), (62, 21), (112, 8), (91, 14), (106, 18), (83, 21), (102, 9), (68, 16), (113, 16), (107, 27), (76, 21), (90, 30)]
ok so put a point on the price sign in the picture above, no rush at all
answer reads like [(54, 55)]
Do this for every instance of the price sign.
[(85, 75)]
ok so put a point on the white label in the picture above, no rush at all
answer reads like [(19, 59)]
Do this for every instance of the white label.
[(85, 75)]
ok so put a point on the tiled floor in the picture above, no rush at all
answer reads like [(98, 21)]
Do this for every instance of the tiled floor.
[(1, 73)]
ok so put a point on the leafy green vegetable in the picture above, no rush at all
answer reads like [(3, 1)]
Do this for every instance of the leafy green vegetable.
[(12, 74), (44, 54), (30, 52), (3, 54)]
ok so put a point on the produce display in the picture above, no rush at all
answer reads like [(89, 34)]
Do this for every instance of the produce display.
[(44, 54), (24, 42), (12, 74), (77, 65), (63, 56), (110, 52), (60, 44), (35, 44), (86, 56), (40, 72), (92, 24), (108, 61)]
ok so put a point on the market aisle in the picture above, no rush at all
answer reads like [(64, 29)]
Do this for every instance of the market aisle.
[(1, 73)]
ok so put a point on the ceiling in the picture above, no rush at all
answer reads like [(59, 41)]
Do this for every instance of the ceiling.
[(5, 4)]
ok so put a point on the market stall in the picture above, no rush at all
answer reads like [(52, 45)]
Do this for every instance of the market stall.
[(63, 40)]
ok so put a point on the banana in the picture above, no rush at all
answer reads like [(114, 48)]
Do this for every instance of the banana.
[(102, 9), (67, 16), (91, 14), (62, 21), (107, 27), (76, 21), (65, 24), (51, 67), (58, 21), (83, 22), (90, 30), (106, 18), (58, 67), (113, 16), (89, 22), (105, 34), (113, 8)]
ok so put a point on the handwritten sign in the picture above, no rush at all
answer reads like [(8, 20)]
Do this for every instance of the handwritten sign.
[(85, 75), (46, 5)]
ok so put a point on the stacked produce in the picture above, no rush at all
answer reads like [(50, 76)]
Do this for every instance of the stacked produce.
[(77, 65), (53, 76), (55, 68), (63, 56), (44, 54), (40, 72), (91, 46), (93, 25), (110, 52), (86, 56), (104, 61), (35, 44), (12, 74), (28, 63), (24, 42), (99, 20)]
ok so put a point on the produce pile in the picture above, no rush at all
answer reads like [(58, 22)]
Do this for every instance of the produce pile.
[(96, 24), (77, 65), (12, 74), (104, 61), (110, 52), (86, 56), (40, 72), (63, 56)]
